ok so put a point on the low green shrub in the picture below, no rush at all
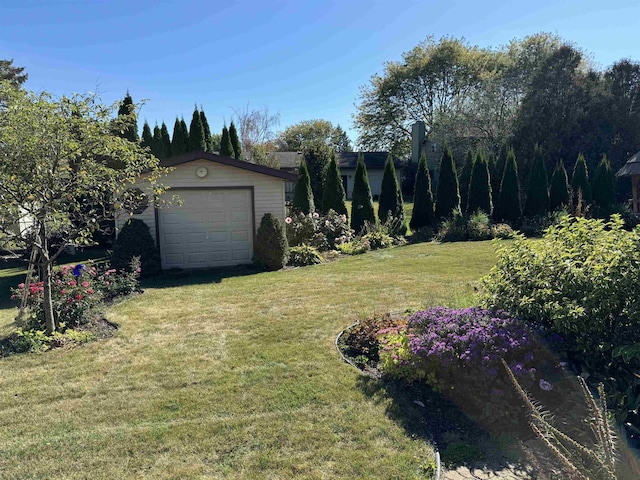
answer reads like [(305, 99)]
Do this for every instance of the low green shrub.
[(479, 226), (377, 240), (535, 226), (502, 231), (361, 340), (357, 246), (35, 341), (271, 250), (135, 240), (303, 255), (453, 229), (324, 232)]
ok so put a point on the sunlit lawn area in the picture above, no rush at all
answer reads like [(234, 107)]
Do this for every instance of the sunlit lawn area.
[(229, 376)]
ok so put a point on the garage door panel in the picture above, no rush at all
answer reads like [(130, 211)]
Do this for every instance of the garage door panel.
[(210, 229)]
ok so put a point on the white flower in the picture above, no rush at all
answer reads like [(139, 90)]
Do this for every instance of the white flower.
[(544, 385), (288, 220)]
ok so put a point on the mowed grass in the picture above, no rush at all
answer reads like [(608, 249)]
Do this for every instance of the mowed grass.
[(230, 375)]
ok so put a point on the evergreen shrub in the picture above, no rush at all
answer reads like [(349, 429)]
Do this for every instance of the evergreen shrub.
[(271, 250), (135, 240)]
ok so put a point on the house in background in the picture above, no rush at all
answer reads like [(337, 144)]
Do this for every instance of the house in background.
[(347, 161), (632, 169)]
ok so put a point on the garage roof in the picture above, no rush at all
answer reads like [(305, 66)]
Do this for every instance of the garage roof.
[(632, 167), (232, 162)]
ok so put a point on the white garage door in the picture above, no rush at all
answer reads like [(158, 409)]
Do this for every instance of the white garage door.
[(212, 228)]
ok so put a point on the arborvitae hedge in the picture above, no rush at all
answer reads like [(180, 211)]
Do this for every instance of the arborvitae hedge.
[(157, 148), (361, 200), (559, 188), (333, 196), (508, 207), (390, 201), (537, 202), (604, 187), (178, 141), (185, 134), (271, 250), (147, 137), (135, 240), (480, 187), (226, 149), (302, 194), (196, 133), (448, 193), (580, 181), (166, 141), (464, 179), (423, 214), (206, 130), (498, 172), (130, 131), (235, 142)]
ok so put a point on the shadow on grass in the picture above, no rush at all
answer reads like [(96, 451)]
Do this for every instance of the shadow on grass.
[(179, 278), (460, 440)]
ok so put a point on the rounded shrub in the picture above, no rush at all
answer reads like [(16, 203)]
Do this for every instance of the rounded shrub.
[(135, 240), (303, 255), (271, 250)]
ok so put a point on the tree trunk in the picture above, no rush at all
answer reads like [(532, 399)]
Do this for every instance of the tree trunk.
[(45, 269)]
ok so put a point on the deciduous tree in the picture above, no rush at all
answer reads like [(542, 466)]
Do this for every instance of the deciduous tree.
[(127, 127)]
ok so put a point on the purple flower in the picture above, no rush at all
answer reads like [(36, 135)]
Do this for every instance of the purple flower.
[(544, 385)]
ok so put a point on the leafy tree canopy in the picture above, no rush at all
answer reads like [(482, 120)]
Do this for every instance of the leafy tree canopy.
[(304, 134)]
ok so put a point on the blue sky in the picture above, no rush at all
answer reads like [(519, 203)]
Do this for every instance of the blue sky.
[(303, 59)]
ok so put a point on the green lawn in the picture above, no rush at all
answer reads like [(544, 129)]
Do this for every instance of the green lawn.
[(229, 376)]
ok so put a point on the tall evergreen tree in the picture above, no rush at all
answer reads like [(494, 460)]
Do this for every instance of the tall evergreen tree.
[(196, 133), (448, 191), (559, 188), (580, 181), (604, 187), (361, 200), (537, 202), (333, 196), (390, 202), (302, 194), (423, 214), (235, 142), (480, 187), (147, 137), (207, 131), (178, 141), (226, 149), (185, 133), (508, 206), (166, 141), (130, 128), (495, 176), (501, 162), (464, 178), (156, 146)]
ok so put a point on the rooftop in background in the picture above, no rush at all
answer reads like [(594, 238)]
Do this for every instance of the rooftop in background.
[(373, 160), (632, 167)]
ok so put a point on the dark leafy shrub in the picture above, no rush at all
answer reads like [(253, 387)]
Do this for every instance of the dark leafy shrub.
[(32, 341), (378, 240), (303, 255), (134, 240), (453, 229), (324, 232), (362, 338), (502, 231), (300, 228), (335, 228), (271, 250), (479, 226), (536, 225)]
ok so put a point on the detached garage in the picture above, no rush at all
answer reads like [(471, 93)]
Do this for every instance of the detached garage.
[(222, 203)]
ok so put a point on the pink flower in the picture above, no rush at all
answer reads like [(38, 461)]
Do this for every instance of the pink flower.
[(288, 220), (90, 291), (13, 297), (40, 284), (138, 270), (544, 385), (63, 292), (106, 283), (69, 300), (85, 284), (72, 283), (78, 297), (21, 285)]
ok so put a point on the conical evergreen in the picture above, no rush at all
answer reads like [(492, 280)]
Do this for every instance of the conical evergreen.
[(448, 192), (580, 181), (185, 133), (559, 188), (463, 180), (177, 140), (480, 187), (166, 141), (333, 196), (147, 137), (537, 202), (390, 202), (226, 149), (501, 161), (207, 131), (235, 142), (423, 214), (130, 128), (156, 146), (508, 207), (604, 187), (302, 194), (495, 177), (196, 133), (361, 200)]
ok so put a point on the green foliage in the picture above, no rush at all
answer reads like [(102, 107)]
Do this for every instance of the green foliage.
[(423, 214), (128, 126), (308, 133), (496, 171), (271, 250), (464, 180), (178, 140), (508, 207), (376, 240), (361, 200), (448, 193), (322, 232), (157, 147), (537, 202), (453, 229), (166, 141), (502, 231), (147, 137), (235, 142), (362, 338), (37, 341), (317, 157), (333, 196), (135, 240), (604, 187), (357, 246), (479, 197), (302, 194), (479, 226), (559, 188), (303, 255), (226, 148), (390, 203), (580, 181), (197, 139), (207, 132), (12, 74)]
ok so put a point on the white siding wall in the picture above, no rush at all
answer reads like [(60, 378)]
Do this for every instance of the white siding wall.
[(268, 191), (375, 179)]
